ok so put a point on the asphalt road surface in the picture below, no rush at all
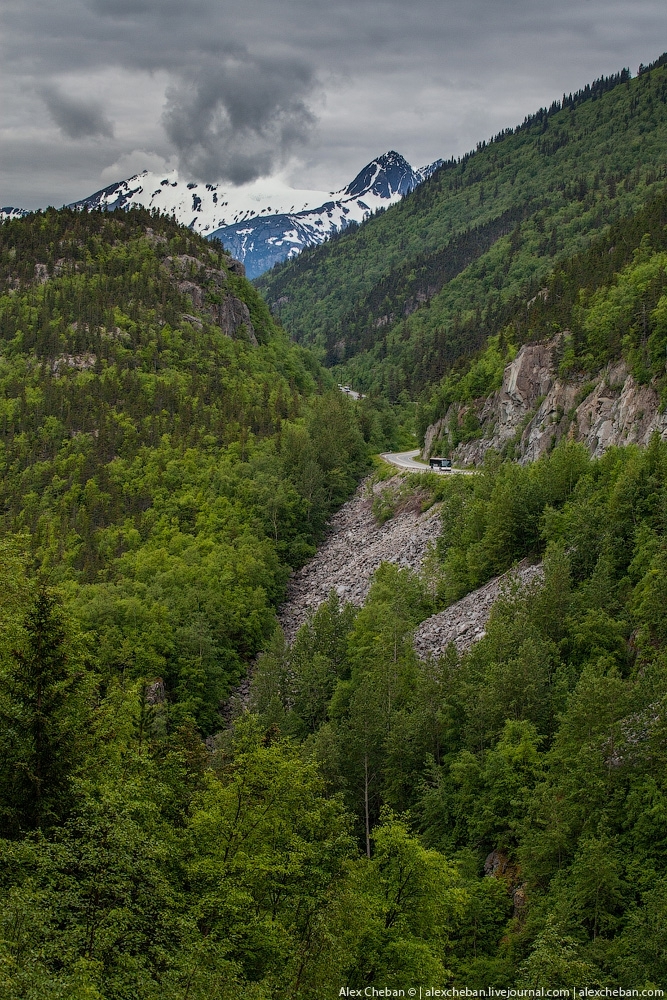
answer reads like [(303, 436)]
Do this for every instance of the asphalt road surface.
[(406, 460)]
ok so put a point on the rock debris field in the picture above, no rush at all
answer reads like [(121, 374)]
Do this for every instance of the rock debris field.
[(355, 547), (353, 550), (464, 623)]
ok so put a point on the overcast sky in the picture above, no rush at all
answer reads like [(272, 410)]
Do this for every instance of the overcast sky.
[(93, 91)]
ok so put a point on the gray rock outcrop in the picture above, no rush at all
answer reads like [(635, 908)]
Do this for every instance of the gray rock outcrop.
[(205, 287), (233, 317), (534, 409)]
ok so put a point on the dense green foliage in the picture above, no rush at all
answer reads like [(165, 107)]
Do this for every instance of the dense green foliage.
[(610, 299), (495, 819), (399, 300), (167, 475), (542, 750), (167, 457)]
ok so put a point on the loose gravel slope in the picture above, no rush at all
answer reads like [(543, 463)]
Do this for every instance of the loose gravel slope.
[(355, 547)]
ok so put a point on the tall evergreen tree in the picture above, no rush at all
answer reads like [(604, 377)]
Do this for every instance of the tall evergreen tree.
[(38, 720)]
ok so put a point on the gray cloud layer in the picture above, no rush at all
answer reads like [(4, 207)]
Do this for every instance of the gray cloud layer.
[(240, 117), (76, 119), (233, 90)]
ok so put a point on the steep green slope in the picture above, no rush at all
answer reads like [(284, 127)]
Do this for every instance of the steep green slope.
[(165, 449), (397, 301), (495, 819), (611, 301), (536, 759)]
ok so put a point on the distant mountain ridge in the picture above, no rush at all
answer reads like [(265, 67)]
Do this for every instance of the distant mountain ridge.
[(264, 241), (262, 224)]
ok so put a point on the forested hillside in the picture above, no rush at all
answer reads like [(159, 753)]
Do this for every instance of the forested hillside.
[(167, 456), (532, 767), (398, 301), (608, 302)]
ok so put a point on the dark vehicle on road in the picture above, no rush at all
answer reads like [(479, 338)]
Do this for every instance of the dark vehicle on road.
[(440, 463)]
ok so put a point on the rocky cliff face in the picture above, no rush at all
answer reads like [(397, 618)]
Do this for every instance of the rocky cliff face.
[(205, 287), (534, 409)]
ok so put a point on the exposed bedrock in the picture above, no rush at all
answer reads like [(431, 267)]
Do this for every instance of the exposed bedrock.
[(534, 409)]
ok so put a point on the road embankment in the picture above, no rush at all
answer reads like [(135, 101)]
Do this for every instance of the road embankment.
[(409, 462)]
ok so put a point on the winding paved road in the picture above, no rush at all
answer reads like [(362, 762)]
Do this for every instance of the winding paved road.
[(406, 460)]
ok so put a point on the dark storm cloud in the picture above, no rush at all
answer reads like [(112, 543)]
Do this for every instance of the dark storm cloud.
[(233, 88), (232, 111), (75, 118), (239, 118)]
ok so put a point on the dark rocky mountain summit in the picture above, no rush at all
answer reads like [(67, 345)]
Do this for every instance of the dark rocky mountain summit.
[(264, 241)]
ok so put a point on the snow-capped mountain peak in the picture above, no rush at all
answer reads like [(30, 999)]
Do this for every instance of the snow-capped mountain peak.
[(385, 177), (260, 243), (267, 221)]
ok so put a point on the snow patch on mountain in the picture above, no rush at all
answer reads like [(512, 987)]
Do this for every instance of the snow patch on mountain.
[(262, 242), (12, 213)]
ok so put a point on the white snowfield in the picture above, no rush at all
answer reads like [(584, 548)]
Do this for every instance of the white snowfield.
[(207, 207), (204, 207)]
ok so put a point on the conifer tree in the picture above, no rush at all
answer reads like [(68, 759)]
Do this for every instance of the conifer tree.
[(38, 723)]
